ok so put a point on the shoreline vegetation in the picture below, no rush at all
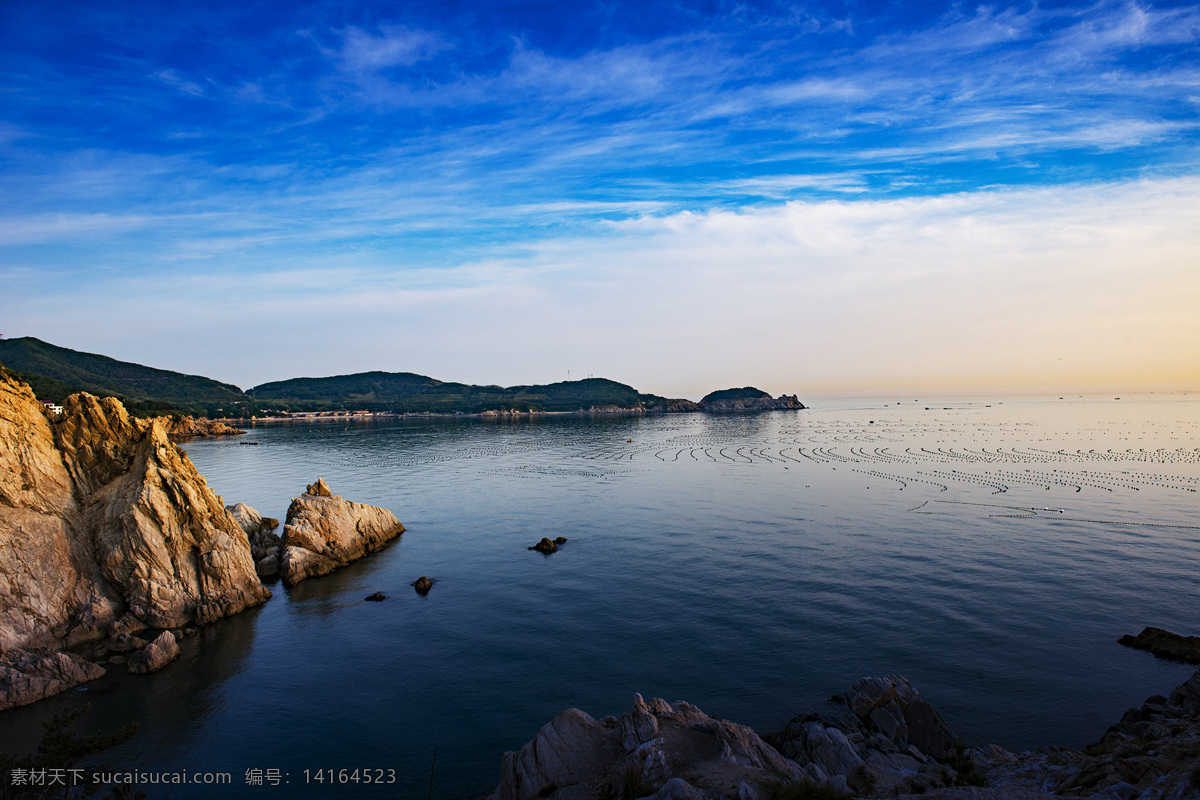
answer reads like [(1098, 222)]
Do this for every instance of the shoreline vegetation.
[(75, 491), (54, 373)]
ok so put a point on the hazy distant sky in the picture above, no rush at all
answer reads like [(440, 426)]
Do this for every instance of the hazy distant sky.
[(807, 197)]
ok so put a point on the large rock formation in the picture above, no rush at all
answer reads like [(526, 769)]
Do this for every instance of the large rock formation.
[(748, 399), (105, 526), (324, 531), (885, 742)]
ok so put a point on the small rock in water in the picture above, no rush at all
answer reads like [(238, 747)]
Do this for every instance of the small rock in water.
[(422, 585), (377, 597), (545, 546), (560, 540)]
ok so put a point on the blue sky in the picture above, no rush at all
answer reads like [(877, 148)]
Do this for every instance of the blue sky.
[(809, 197)]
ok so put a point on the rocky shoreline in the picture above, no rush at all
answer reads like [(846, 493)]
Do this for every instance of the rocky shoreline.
[(886, 742), (107, 531), (198, 428)]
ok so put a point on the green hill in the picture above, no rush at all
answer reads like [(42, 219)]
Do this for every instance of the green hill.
[(407, 392), (54, 372)]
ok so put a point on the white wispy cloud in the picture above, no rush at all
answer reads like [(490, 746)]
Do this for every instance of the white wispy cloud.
[(171, 78), (946, 291), (390, 46)]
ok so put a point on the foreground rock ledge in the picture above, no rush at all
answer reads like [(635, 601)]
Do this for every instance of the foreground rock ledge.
[(886, 742), (324, 532)]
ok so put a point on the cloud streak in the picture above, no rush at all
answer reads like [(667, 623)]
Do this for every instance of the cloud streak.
[(678, 176)]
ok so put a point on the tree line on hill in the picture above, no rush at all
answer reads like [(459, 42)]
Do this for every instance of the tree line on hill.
[(56, 372)]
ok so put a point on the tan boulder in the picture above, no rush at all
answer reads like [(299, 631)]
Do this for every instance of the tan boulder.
[(324, 531)]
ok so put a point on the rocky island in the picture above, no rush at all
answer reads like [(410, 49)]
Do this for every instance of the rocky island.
[(748, 398)]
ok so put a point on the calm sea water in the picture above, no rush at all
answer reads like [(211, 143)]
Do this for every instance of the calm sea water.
[(990, 551)]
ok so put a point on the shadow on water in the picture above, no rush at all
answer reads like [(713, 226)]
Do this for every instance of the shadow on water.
[(171, 705)]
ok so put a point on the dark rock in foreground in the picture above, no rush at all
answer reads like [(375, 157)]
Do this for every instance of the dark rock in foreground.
[(576, 756), (748, 399), (888, 743), (422, 585), (1165, 644)]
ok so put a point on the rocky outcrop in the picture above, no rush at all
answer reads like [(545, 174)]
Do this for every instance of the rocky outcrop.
[(265, 544), (1165, 644), (201, 428), (886, 741), (154, 656), (1153, 753), (646, 750), (106, 526), (748, 399), (30, 675), (324, 531), (681, 406)]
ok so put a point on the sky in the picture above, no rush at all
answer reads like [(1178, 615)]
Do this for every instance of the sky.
[(821, 198)]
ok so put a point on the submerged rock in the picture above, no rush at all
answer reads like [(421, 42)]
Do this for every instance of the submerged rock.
[(1165, 644), (378, 597), (324, 532)]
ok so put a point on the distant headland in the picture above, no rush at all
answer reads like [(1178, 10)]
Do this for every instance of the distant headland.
[(55, 372)]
